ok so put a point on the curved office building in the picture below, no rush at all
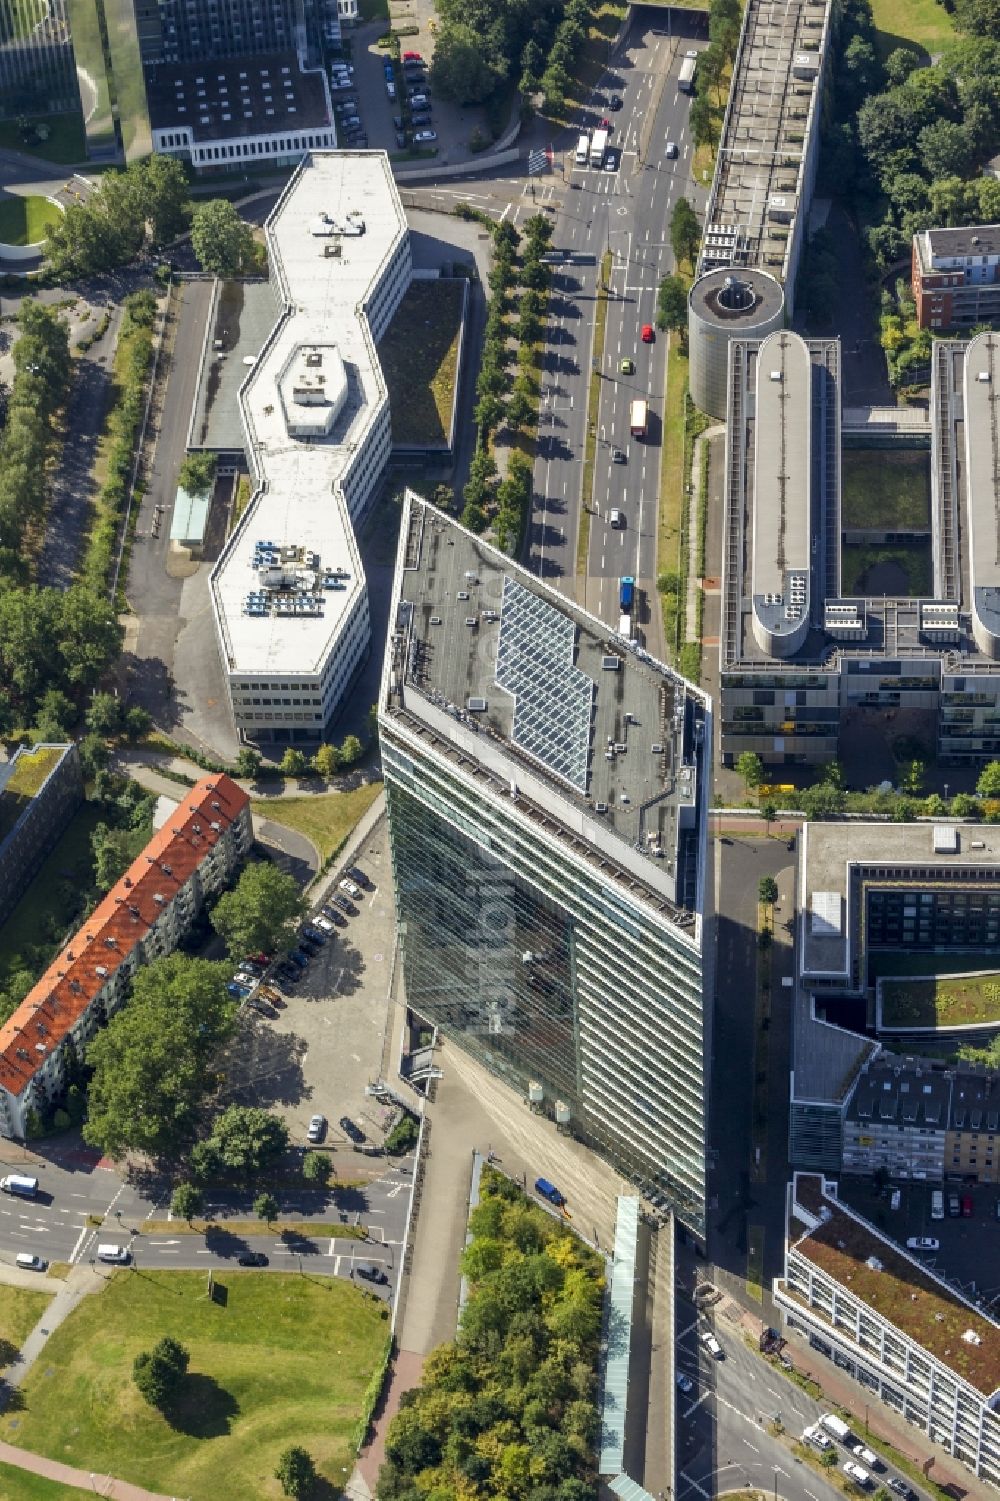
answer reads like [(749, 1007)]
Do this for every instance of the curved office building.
[(724, 305)]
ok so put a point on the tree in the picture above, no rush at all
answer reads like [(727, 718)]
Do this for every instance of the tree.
[(671, 304), (152, 1062), (168, 201), (946, 149), (294, 763), (326, 761), (751, 768), (248, 762), (222, 242), (197, 473), (900, 64), (317, 1168), (104, 714), (248, 1139), (685, 231), (158, 1372), (55, 715), (459, 69), (265, 1207), (259, 912), (767, 891), (989, 780), (186, 1201), (296, 1472), (351, 750)]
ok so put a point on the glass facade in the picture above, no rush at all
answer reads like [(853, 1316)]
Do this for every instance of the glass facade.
[(549, 972), (194, 30), (37, 71)]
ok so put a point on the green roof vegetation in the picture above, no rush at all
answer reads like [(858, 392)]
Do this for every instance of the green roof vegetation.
[(419, 356), (941, 1001), (30, 770), (276, 1359), (890, 490)]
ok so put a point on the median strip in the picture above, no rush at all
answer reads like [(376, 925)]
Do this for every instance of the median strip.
[(593, 407)]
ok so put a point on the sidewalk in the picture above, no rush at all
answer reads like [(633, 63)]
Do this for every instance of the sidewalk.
[(86, 1480), (81, 1282)]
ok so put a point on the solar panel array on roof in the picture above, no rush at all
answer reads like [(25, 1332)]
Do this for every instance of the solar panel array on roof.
[(553, 699)]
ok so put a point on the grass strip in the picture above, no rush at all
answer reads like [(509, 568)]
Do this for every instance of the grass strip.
[(668, 544), (21, 1485), (325, 819), (593, 407), (20, 1310)]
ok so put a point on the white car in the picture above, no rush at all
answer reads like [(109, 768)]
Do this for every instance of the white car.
[(857, 1474), (866, 1456), (671, 151), (350, 888), (317, 1128), (390, 89), (712, 1345), (616, 519), (324, 924), (818, 1440), (426, 135), (244, 977), (923, 1243)]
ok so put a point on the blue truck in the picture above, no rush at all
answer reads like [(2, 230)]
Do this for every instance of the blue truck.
[(626, 592), (549, 1191)]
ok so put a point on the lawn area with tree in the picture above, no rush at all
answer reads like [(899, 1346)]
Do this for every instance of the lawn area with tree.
[(260, 912), (509, 1407), (260, 1378)]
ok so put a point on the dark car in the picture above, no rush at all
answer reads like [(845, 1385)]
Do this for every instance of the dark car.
[(370, 1273), (252, 1258), (615, 102), (334, 915), (313, 934), (402, 141), (299, 958), (901, 1488), (350, 1129), (357, 874), (345, 905), (397, 122), (421, 117)]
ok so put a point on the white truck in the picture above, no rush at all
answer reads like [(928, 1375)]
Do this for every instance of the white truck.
[(598, 146), (20, 1184), (685, 78), (836, 1426), (583, 151), (625, 627)]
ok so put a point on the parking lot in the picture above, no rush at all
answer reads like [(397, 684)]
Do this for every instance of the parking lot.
[(379, 103), (969, 1255), (318, 1051)]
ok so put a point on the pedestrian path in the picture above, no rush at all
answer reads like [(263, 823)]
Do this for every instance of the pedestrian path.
[(81, 1282), (86, 1480)]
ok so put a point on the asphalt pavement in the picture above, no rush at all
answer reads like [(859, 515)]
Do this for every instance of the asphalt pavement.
[(625, 211)]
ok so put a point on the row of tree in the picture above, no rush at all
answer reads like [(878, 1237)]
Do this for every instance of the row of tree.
[(54, 646), (41, 380), (508, 1408), (142, 209), (714, 63)]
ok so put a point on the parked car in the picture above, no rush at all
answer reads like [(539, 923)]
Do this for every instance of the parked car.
[(313, 934), (357, 874), (712, 1345), (967, 1206), (421, 117), (606, 125), (252, 1258), (317, 1128), (351, 122), (345, 905), (954, 1206), (648, 334), (390, 89), (334, 915), (402, 140), (618, 456), (387, 69), (684, 1383), (901, 1488), (298, 958), (348, 885), (244, 977), (923, 1243), (239, 991), (419, 99), (370, 1273), (867, 1457), (412, 57), (324, 924), (857, 1474), (425, 136), (350, 1129), (819, 1440), (397, 121)]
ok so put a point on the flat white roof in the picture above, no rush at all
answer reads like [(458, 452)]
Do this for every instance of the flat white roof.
[(298, 502)]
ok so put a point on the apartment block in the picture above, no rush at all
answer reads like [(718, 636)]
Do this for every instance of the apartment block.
[(40, 789), (143, 917), (956, 276), (905, 1335)]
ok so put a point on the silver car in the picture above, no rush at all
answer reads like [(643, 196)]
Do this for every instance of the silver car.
[(317, 1128)]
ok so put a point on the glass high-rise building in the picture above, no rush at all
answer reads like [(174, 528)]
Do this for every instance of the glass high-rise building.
[(546, 783), (202, 30), (37, 67)]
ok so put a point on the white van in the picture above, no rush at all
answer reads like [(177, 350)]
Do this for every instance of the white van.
[(937, 1205), (112, 1252), (29, 1263), (583, 151)]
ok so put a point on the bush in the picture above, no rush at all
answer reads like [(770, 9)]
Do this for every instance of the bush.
[(403, 1136)]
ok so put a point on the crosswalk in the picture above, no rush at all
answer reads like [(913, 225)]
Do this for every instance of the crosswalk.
[(538, 161)]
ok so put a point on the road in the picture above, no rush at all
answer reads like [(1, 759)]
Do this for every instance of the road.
[(77, 1189), (627, 212)]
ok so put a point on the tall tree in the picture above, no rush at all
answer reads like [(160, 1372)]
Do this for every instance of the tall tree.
[(248, 1139), (260, 910), (221, 240), (685, 232)]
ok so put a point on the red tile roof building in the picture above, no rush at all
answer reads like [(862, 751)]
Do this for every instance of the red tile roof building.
[(143, 917)]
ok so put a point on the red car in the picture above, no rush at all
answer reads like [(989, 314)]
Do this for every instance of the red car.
[(647, 333), (967, 1206), (606, 125), (412, 57)]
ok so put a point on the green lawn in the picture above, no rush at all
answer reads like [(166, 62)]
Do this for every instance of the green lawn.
[(326, 819), (902, 570), (924, 23), (20, 1310), (26, 221), (65, 139), (886, 489), (276, 1359), (20, 1485), (946, 1001), (419, 356)]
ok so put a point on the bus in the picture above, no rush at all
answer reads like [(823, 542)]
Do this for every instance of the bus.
[(598, 146), (583, 151), (638, 419), (685, 80), (626, 592)]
